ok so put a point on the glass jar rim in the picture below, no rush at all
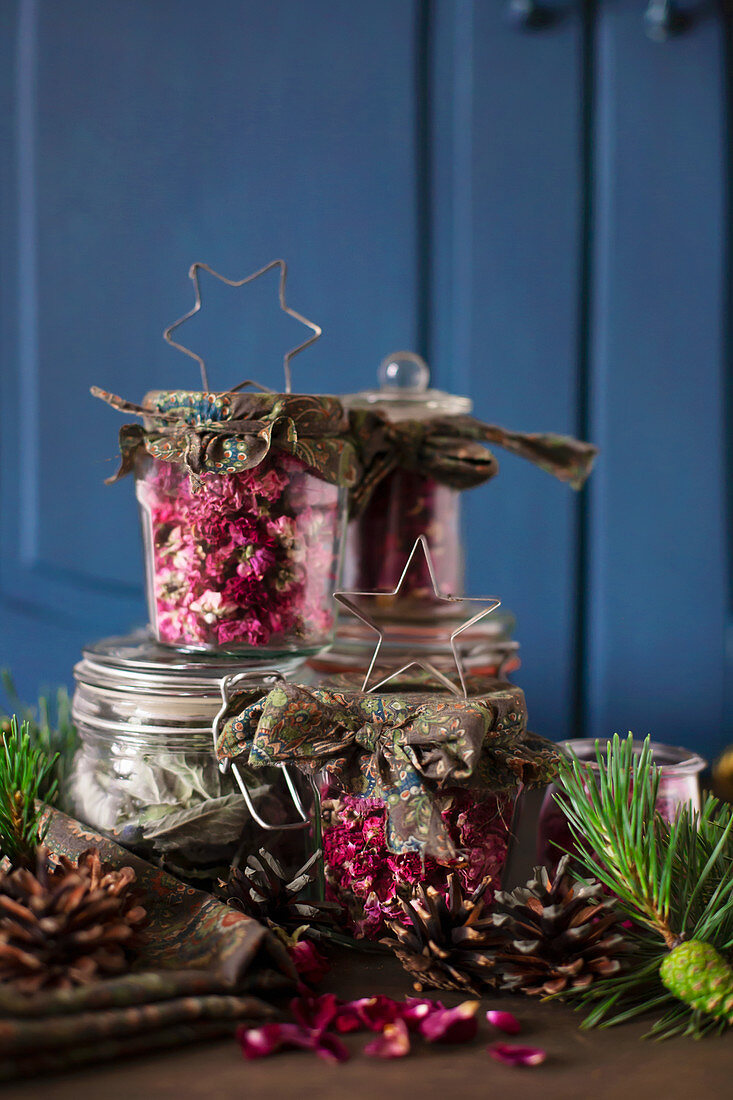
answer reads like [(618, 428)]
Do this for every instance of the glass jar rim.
[(668, 758)]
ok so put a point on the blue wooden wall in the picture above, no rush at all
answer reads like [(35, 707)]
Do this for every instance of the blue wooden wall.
[(544, 212)]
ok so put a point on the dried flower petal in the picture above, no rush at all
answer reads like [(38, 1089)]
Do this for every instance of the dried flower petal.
[(394, 1042), (451, 1025), (417, 1009), (512, 1055), (374, 1013), (329, 1047), (504, 1021), (366, 879), (259, 1042), (316, 1012), (311, 965)]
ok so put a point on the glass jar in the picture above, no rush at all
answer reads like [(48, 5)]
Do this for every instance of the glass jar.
[(414, 784), (145, 773), (486, 649), (406, 503), (678, 785), (242, 561)]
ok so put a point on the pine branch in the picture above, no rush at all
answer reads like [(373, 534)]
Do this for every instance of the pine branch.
[(50, 726), (674, 880), (612, 820), (24, 772)]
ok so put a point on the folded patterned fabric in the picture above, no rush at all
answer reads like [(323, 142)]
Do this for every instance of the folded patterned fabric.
[(203, 967)]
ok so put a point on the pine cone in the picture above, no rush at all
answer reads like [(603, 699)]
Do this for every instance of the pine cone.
[(450, 942), (558, 935), (265, 891), (68, 924), (698, 975)]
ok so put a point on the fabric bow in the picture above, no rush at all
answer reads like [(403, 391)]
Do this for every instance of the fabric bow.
[(451, 450), (230, 432), (401, 748)]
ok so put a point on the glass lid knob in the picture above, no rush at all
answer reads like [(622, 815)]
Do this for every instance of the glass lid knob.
[(403, 371)]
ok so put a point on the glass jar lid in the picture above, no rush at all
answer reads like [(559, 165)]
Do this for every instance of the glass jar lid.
[(404, 392), (131, 685)]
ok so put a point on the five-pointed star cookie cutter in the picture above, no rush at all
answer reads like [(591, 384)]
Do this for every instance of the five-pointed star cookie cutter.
[(347, 600), (193, 274)]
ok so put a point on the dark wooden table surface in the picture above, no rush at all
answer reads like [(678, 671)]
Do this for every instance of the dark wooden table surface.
[(604, 1065)]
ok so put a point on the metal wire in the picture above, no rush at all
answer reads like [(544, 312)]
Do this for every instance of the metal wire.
[(193, 275), (346, 599)]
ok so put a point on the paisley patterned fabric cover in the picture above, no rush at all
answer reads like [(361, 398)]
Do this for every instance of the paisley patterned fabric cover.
[(224, 433), (402, 747)]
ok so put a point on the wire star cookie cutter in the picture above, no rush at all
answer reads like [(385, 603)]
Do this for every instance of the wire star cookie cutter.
[(193, 274), (346, 599)]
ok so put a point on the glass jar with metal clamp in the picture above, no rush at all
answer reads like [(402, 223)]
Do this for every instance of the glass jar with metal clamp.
[(145, 773)]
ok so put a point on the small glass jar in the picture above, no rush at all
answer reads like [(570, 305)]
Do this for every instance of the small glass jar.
[(241, 561), (406, 503), (414, 785), (146, 775), (679, 785)]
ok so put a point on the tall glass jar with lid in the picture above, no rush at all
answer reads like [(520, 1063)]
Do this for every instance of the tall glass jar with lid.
[(408, 501)]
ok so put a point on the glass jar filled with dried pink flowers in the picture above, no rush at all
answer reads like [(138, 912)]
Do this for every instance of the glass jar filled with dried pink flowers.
[(242, 498), (416, 785)]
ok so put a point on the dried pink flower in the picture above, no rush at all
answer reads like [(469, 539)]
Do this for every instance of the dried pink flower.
[(417, 1009), (368, 1013), (243, 558), (367, 879), (316, 1012), (260, 1042)]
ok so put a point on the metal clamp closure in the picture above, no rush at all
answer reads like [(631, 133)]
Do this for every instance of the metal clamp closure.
[(229, 686)]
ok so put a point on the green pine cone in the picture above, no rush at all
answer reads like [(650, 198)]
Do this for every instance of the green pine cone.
[(700, 977)]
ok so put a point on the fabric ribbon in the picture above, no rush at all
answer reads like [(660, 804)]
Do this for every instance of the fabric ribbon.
[(451, 450), (229, 432), (401, 748)]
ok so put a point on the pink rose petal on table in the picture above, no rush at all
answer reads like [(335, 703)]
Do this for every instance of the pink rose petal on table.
[(376, 1012), (329, 1047), (260, 1042), (394, 1042), (417, 1009), (316, 1012), (504, 1021), (510, 1054), (451, 1025), (311, 965)]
